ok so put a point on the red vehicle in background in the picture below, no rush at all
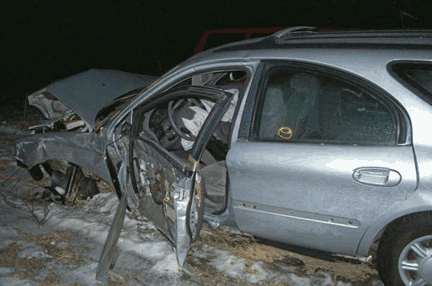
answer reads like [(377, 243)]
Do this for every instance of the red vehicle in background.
[(214, 38)]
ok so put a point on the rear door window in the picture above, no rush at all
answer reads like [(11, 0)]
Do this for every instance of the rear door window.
[(302, 105)]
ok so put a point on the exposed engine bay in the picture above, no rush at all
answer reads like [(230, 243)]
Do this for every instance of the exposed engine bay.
[(52, 115), (58, 118), (78, 102)]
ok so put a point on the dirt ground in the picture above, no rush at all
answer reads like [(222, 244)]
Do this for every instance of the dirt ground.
[(344, 270)]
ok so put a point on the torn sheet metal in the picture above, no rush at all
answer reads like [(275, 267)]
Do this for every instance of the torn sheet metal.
[(83, 149), (49, 106), (183, 240), (165, 194), (107, 256), (85, 93)]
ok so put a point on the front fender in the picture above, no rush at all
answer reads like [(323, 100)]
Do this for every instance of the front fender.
[(83, 149)]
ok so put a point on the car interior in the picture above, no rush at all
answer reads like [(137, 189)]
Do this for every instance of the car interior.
[(176, 124)]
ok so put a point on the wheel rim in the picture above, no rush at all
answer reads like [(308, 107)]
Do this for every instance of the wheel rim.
[(415, 262)]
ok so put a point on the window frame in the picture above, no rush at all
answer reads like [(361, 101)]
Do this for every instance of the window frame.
[(250, 69), (197, 92), (249, 121), (410, 84)]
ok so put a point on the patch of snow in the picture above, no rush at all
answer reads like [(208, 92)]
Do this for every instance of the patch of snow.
[(62, 244), (60, 190), (31, 250), (227, 262), (8, 236), (169, 264), (340, 283), (7, 129), (7, 157), (319, 279), (16, 281), (84, 274), (6, 270), (377, 283)]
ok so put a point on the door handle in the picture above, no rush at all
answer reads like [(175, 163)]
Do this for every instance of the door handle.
[(377, 176)]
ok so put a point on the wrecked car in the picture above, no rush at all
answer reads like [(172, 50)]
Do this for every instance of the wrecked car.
[(315, 139)]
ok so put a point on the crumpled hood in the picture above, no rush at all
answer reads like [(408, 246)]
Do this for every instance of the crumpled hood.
[(85, 93)]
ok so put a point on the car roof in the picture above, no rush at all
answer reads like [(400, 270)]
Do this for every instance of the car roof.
[(370, 47), (306, 37), (362, 53)]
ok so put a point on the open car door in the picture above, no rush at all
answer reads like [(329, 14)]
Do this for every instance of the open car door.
[(160, 177)]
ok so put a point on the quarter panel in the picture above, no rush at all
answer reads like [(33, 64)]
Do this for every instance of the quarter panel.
[(420, 201)]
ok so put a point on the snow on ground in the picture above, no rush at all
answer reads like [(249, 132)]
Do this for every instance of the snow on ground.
[(7, 129), (54, 244)]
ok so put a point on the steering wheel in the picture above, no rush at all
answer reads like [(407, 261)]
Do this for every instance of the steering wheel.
[(170, 111)]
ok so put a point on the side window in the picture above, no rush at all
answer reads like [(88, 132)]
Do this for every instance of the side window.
[(298, 105), (227, 80), (415, 75)]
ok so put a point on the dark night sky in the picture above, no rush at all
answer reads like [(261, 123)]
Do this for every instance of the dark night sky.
[(43, 41)]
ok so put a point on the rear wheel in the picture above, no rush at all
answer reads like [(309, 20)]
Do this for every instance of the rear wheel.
[(405, 251)]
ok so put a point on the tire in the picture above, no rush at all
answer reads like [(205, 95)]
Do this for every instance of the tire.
[(407, 241)]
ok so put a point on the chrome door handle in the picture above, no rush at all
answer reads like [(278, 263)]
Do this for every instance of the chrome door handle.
[(377, 176)]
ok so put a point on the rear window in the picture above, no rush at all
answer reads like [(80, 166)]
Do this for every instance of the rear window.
[(416, 76)]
